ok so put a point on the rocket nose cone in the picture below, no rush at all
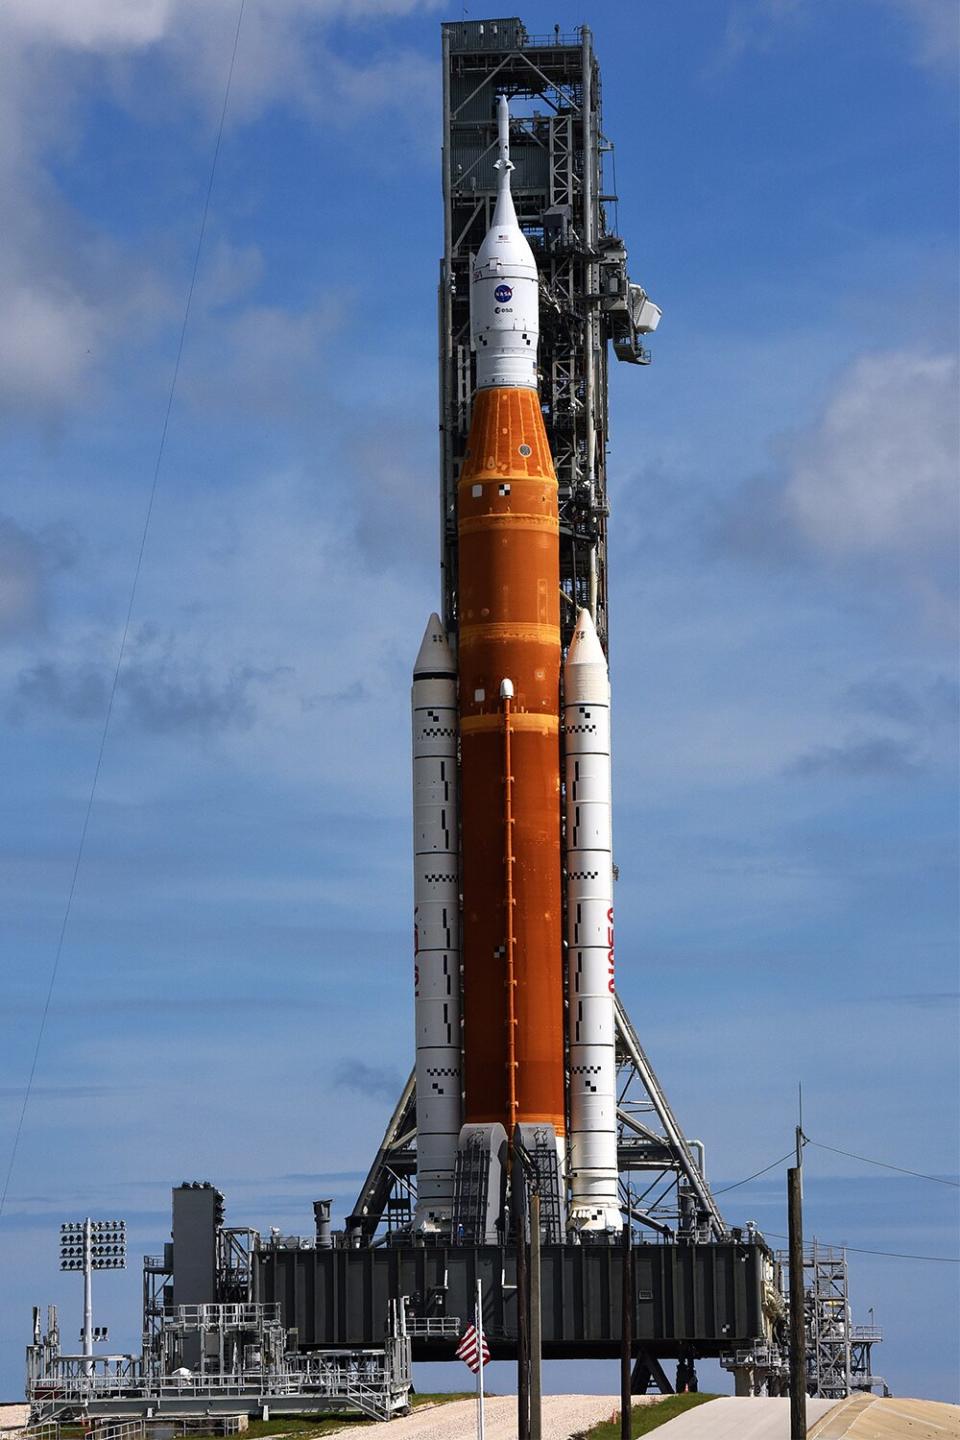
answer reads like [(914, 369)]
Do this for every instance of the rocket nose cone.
[(434, 656), (585, 647)]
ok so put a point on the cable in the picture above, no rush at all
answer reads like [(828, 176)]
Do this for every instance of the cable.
[(126, 627), (884, 1165), (902, 1170), (773, 1164), (890, 1254)]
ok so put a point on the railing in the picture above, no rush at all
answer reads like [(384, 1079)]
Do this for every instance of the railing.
[(109, 1368), (122, 1430), (532, 42), (45, 1430), (217, 1317), (367, 1380), (765, 1357), (439, 1327)]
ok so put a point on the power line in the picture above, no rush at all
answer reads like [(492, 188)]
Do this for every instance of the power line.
[(884, 1164), (890, 1254), (126, 625), (901, 1169), (773, 1164)]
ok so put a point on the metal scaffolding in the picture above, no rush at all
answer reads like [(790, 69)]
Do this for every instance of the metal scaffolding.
[(245, 1366), (839, 1353), (663, 1187)]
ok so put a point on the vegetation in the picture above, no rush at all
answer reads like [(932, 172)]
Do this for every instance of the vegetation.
[(442, 1397), (647, 1418), (302, 1427)]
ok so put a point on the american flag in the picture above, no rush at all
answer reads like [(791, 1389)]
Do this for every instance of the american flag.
[(472, 1350)]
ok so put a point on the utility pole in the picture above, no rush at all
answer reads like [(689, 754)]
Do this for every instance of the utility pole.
[(626, 1334), (798, 1357), (519, 1207), (536, 1319)]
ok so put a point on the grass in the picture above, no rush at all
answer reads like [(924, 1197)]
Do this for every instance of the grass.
[(647, 1418), (442, 1397), (302, 1426)]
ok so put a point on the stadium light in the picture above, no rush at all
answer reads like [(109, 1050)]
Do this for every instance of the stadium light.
[(85, 1246)]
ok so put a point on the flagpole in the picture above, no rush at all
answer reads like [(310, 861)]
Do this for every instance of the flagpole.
[(478, 1322)]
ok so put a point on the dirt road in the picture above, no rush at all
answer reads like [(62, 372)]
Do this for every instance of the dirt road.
[(563, 1416)]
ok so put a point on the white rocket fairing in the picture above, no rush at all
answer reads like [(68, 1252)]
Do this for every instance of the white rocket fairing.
[(593, 1173), (436, 885), (504, 288)]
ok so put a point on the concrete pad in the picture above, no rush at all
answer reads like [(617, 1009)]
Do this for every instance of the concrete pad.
[(868, 1417), (735, 1418)]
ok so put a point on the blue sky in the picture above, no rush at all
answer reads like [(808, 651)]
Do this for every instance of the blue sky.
[(234, 996)]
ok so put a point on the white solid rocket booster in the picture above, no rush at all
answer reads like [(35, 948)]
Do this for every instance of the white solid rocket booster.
[(436, 894), (594, 1199)]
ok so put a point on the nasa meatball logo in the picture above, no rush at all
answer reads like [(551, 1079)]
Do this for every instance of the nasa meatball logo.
[(502, 294)]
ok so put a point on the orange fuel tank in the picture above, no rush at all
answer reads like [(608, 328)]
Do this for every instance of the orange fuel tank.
[(509, 628)]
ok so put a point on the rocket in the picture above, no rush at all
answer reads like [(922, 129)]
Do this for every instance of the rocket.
[(593, 1173), (436, 920), (490, 875)]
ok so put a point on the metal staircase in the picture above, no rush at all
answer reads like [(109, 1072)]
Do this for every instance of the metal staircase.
[(471, 1183)]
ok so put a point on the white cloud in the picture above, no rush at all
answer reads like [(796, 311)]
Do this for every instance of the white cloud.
[(21, 578), (759, 25), (90, 24), (936, 26), (46, 342), (69, 292), (880, 472), (131, 24)]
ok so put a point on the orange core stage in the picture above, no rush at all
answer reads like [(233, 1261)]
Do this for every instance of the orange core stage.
[(509, 589)]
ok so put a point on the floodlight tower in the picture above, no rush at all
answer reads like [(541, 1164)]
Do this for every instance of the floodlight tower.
[(90, 1245)]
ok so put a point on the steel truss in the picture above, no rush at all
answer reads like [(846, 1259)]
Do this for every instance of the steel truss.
[(662, 1185), (839, 1353)]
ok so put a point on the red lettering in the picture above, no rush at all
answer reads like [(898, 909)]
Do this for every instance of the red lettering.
[(610, 980)]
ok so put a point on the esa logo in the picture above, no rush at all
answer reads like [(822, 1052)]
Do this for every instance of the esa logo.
[(502, 294)]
